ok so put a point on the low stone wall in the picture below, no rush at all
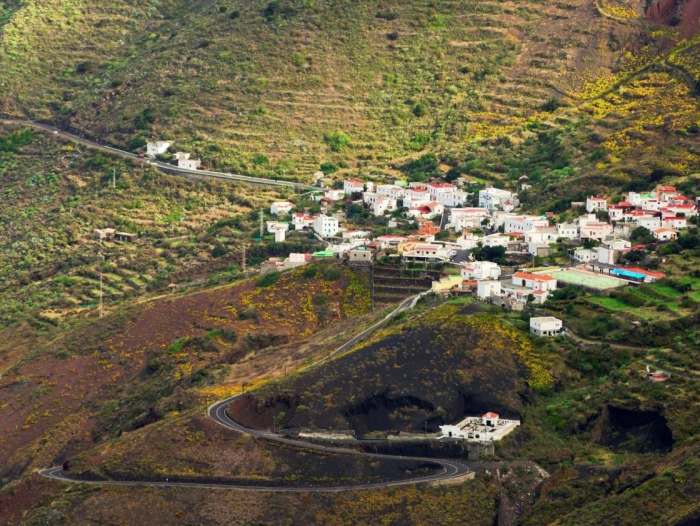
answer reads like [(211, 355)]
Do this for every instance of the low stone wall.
[(453, 481)]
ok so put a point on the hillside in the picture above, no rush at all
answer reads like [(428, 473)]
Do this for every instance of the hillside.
[(268, 87), (450, 363)]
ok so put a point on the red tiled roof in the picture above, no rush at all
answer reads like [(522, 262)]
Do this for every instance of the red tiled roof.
[(534, 277), (491, 415)]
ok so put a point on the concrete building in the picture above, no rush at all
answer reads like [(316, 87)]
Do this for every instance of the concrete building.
[(184, 161), (391, 191), (360, 255), (584, 255), (609, 251), (596, 231), (103, 234), (545, 326), (326, 226), (428, 253)]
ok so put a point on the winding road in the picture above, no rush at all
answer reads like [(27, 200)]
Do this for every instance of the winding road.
[(451, 469), (158, 164)]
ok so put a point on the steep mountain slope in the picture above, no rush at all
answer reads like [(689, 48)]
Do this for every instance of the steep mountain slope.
[(261, 86)]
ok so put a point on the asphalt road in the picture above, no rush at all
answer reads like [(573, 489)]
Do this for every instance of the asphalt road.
[(217, 412), (163, 166)]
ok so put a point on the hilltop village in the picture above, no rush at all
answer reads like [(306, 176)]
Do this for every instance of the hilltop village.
[(486, 243)]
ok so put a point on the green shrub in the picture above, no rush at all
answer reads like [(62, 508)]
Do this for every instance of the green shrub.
[(268, 279), (309, 272), (336, 141), (176, 346), (331, 273)]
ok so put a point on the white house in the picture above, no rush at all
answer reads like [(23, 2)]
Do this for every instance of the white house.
[(334, 194), (648, 221), (437, 189), (390, 190), (281, 208), (480, 270), (353, 186), (461, 218), (609, 251), (595, 204), (686, 210), (416, 196), (542, 235), (483, 429), (487, 289), (469, 240), (584, 255), (383, 204), (157, 147), (301, 221), (665, 234), (524, 223), (545, 326), (599, 231), (326, 226), (567, 230), (189, 164), (427, 252), (355, 234), (534, 281), (496, 240), (280, 235), (494, 198), (272, 226), (451, 199), (675, 222)]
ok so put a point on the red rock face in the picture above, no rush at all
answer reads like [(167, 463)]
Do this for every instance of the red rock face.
[(678, 13)]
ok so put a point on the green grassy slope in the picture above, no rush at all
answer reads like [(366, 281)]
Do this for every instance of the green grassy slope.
[(256, 86)]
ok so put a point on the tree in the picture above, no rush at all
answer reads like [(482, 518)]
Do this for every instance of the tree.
[(641, 235), (336, 141), (494, 254)]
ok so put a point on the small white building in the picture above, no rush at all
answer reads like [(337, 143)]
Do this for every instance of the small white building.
[(281, 208), (665, 234), (545, 326), (301, 221), (480, 429), (383, 204), (391, 191), (487, 289), (326, 226), (353, 186), (480, 270), (495, 198), (276, 225), (597, 231), (524, 223), (534, 281), (280, 234), (428, 252), (584, 255), (609, 251), (567, 230), (184, 161), (334, 194), (595, 204), (157, 147)]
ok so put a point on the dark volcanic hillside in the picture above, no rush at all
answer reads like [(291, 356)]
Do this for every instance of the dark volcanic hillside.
[(445, 366)]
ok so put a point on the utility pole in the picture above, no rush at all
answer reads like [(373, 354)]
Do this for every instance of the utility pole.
[(101, 294), (114, 177), (262, 223), (243, 258)]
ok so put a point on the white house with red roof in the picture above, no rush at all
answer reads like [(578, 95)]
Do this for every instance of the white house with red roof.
[(665, 234), (353, 186), (523, 223), (494, 198), (416, 196), (534, 281), (664, 193), (435, 189), (686, 210), (302, 221), (675, 222)]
